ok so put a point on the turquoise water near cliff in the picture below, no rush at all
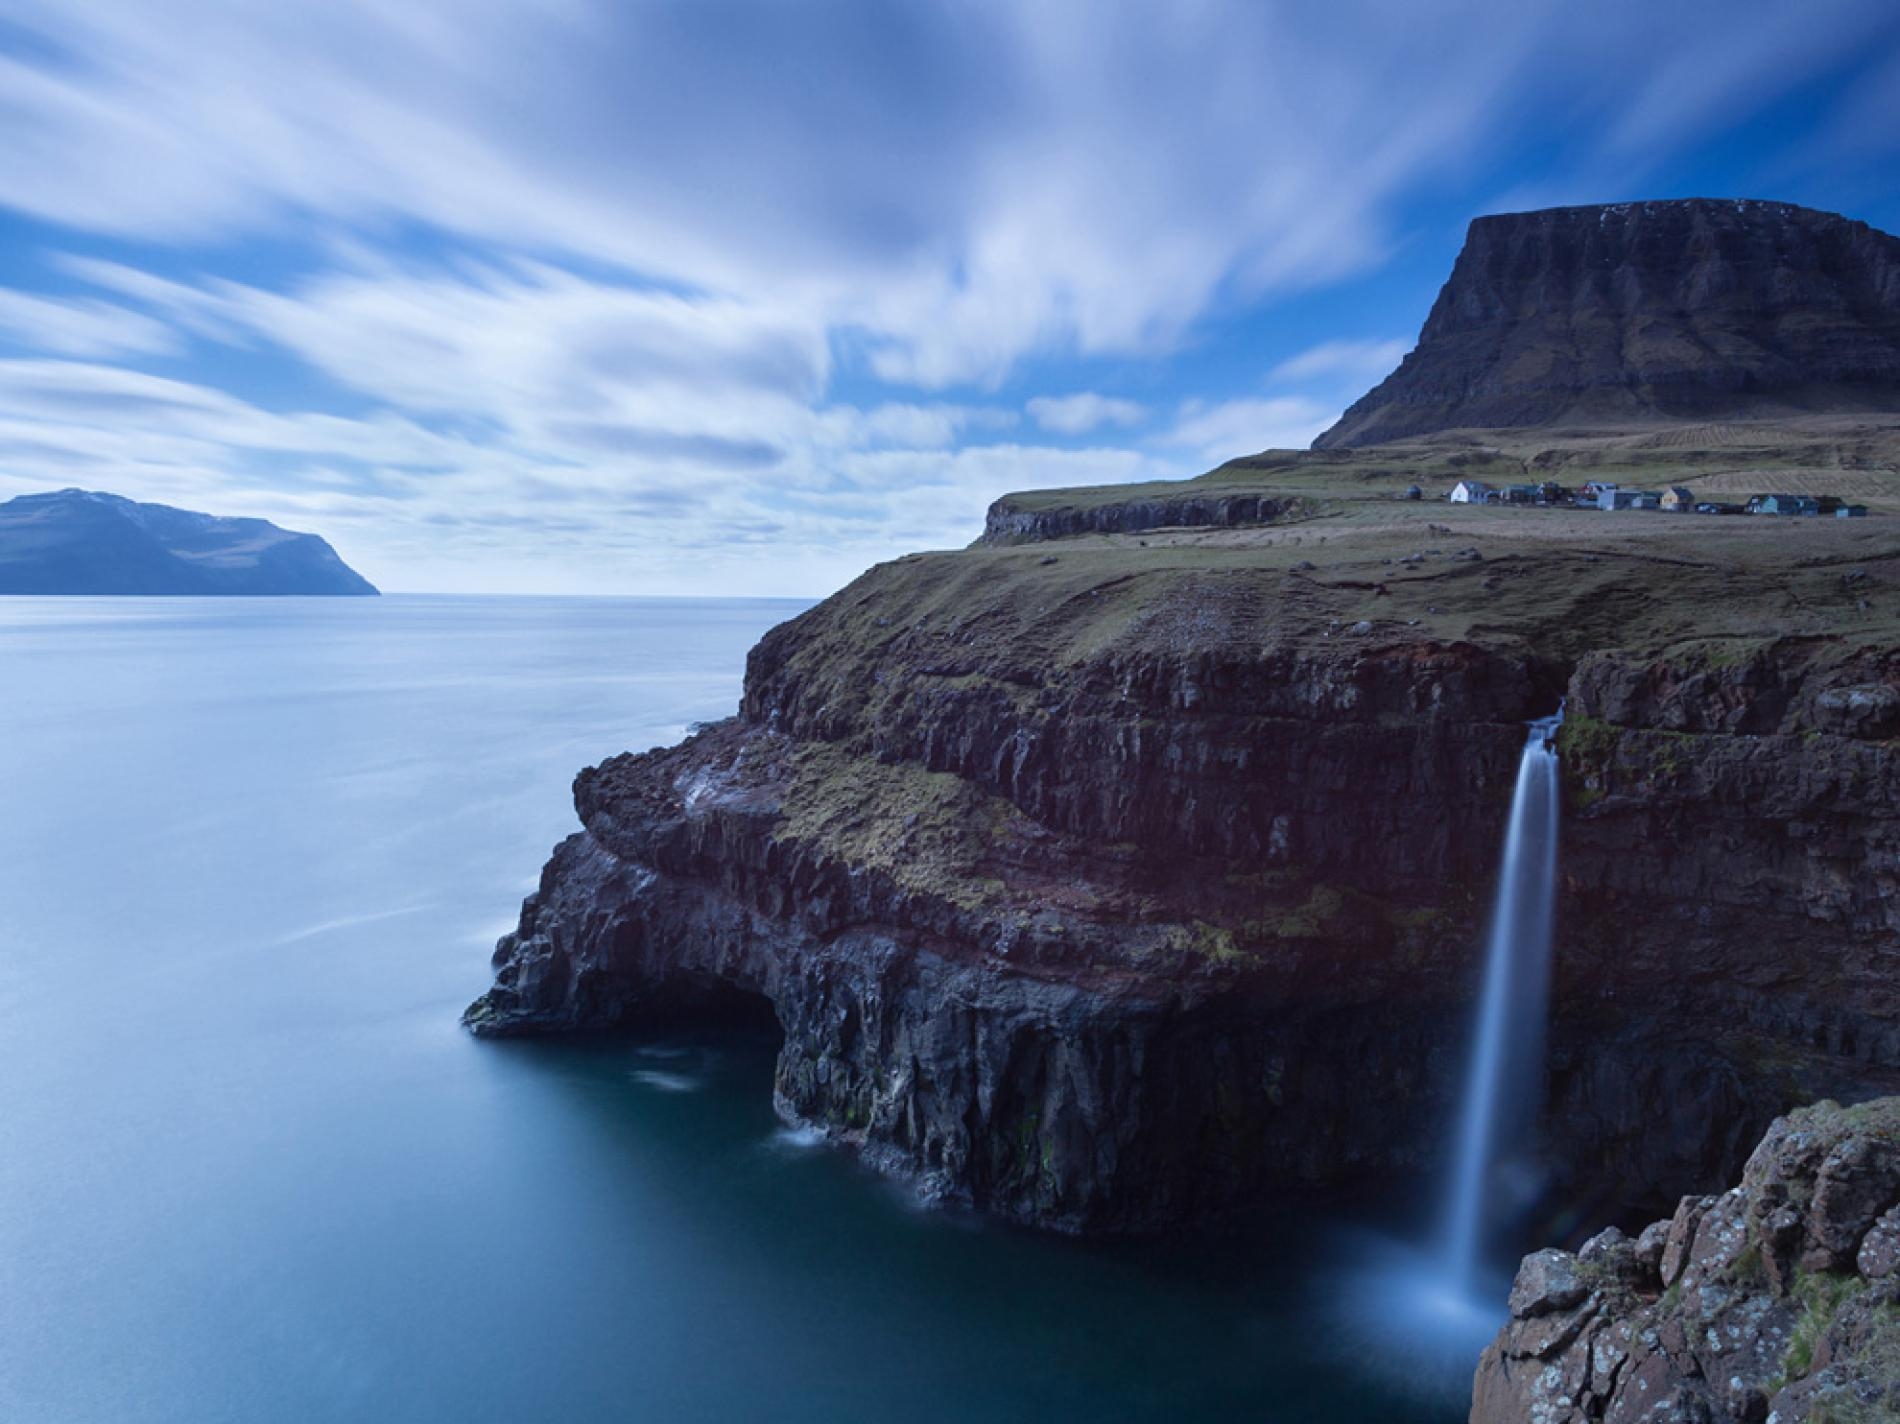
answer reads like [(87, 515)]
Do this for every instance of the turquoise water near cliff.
[(253, 858)]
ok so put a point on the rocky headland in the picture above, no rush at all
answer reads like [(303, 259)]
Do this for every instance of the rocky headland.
[(1111, 880)]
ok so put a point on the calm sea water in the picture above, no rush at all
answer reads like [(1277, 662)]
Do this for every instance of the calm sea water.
[(253, 858)]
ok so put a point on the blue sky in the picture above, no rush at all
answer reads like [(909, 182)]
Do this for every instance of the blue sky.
[(725, 296)]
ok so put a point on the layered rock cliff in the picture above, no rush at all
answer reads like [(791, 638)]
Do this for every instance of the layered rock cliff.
[(1776, 1300), (1112, 886), (1690, 309)]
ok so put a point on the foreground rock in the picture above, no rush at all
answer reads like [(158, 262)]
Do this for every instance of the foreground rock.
[(1777, 1300)]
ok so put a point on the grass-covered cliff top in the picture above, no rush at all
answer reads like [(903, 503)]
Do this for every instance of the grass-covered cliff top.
[(1855, 457), (1344, 546)]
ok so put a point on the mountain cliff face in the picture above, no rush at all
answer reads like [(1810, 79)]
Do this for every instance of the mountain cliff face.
[(1634, 312), (81, 542)]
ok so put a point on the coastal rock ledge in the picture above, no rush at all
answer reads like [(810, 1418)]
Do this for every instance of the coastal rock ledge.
[(1776, 1302)]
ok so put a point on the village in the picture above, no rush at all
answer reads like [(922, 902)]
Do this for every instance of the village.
[(1604, 494)]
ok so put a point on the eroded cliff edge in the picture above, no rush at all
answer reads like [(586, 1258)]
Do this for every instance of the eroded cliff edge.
[(1110, 882)]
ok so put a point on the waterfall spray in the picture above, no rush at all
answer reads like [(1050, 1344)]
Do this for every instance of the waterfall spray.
[(1504, 1081)]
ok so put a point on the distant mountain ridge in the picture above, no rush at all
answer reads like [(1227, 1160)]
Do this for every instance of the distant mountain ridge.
[(1688, 309), (85, 542)]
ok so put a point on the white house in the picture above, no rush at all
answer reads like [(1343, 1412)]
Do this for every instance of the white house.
[(1469, 492)]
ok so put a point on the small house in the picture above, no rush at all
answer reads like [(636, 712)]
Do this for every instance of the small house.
[(1851, 511), (1519, 494), (1677, 500), (1593, 490), (1774, 504), (1643, 499), (1471, 492)]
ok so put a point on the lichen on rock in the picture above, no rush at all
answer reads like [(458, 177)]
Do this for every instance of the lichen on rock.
[(1774, 1300)]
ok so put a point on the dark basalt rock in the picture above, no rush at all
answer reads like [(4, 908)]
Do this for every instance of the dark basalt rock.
[(1104, 890), (1690, 309)]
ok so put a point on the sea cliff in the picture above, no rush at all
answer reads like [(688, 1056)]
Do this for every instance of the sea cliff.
[(1104, 882)]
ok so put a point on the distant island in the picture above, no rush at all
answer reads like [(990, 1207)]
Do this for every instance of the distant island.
[(85, 542)]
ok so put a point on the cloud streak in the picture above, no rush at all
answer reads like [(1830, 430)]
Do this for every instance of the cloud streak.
[(1084, 411), (575, 293)]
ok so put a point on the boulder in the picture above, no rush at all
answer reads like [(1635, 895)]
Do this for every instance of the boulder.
[(1546, 1281)]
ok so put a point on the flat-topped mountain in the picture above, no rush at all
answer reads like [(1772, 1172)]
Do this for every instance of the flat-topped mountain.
[(79, 541), (1691, 309)]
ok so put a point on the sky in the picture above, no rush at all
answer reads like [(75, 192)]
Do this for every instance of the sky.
[(743, 296)]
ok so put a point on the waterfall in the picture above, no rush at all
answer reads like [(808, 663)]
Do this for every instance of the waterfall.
[(1504, 1080)]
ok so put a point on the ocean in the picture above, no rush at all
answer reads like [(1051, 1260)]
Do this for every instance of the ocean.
[(254, 856)]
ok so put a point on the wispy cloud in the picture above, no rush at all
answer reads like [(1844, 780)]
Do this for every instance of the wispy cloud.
[(1246, 427), (60, 327), (964, 184), (1084, 411), (1353, 361)]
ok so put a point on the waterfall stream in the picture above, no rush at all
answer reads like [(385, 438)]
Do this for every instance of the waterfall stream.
[(1425, 1309), (1504, 1080)]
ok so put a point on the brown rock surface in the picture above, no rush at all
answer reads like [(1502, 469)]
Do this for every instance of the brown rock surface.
[(1726, 1341)]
